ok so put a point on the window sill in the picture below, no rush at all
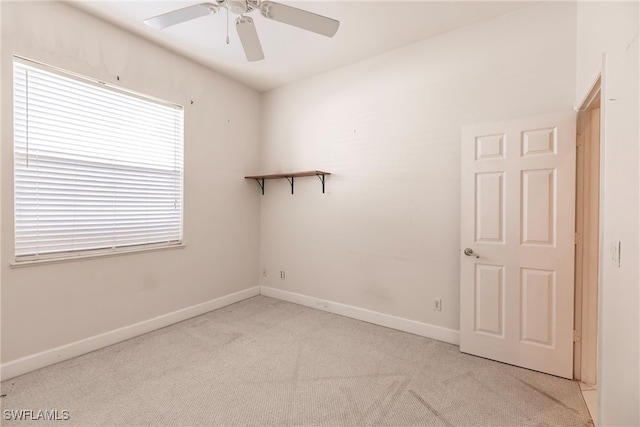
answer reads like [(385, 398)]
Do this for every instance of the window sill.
[(71, 258)]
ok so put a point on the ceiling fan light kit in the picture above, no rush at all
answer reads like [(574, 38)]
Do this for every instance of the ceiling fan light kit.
[(244, 25)]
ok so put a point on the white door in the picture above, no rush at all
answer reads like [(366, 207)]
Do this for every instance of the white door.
[(517, 216)]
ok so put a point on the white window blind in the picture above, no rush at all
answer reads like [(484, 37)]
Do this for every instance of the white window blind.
[(95, 169)]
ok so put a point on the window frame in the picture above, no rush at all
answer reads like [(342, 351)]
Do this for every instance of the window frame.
[(71, 255)]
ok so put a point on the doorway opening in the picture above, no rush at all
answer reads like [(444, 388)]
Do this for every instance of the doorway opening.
[(587, 254)]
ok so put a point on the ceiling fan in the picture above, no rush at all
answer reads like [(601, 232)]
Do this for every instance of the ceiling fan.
[(244, 25)]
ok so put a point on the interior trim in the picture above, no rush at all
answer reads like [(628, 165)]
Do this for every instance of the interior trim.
[(35, 361), (427, 330)]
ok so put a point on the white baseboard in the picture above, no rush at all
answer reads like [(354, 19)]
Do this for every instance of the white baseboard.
[(439, 333), (49, 357)]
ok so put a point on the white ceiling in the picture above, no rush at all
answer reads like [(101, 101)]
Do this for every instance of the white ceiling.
[(367, 28)]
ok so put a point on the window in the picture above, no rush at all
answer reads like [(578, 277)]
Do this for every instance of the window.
[(96, 169)]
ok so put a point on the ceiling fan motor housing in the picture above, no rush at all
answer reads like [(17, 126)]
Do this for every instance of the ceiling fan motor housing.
[(241, 6)]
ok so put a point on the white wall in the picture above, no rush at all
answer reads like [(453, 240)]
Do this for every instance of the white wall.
[(385, 236), (611, 28), (51, 305)]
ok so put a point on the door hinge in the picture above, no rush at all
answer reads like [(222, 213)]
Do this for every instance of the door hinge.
[(579, 140), (577, 238), (576, 336)]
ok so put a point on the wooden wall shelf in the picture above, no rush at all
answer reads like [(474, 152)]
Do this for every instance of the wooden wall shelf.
[(289, 177)]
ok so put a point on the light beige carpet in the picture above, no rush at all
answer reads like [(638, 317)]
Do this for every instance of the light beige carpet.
[(266, 362)]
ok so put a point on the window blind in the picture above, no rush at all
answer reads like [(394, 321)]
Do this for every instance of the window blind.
[(95, 168)]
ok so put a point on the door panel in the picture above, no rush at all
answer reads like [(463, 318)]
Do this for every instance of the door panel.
[(489, 299), (517, 215), (538, 207), (538, 301), (489, 207)]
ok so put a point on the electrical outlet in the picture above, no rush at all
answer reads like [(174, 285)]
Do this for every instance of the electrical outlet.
[(264, 272), (282, 274), (437, 304)]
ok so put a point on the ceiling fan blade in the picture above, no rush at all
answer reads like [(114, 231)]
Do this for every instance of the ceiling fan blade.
[(299, 18), (181, 15), (249, 38)]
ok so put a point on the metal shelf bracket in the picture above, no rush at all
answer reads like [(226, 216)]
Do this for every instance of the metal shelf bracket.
[(260, 182), (290, 182), (321, 177)]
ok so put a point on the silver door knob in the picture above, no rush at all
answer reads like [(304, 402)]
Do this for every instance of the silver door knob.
[(469, 252)]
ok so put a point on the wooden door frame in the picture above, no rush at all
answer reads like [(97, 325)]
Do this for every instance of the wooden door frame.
[(588, 227)]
